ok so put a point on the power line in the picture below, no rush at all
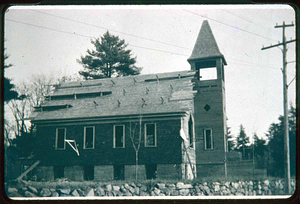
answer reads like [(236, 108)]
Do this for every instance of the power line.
[(246, 40), (89, 24), (73, 33), (249, 21), (159, 50), (147, 48), (229, 25), (255, 65), (49, 28)]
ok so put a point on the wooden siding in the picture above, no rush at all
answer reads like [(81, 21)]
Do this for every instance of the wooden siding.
[(212, 93), (168, 148)]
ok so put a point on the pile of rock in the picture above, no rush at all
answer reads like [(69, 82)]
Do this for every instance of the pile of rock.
[(240, 188)]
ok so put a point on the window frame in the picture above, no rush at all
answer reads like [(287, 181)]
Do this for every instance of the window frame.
[(114, 139), (84, 137), (212, 141), (155, 135), (56, 140)]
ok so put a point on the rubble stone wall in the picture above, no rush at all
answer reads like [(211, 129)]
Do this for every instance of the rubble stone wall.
[(240, 188)]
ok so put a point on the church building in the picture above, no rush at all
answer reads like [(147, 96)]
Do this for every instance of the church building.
[(168, 125)]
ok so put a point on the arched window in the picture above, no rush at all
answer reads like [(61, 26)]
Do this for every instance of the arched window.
[(191, 132)]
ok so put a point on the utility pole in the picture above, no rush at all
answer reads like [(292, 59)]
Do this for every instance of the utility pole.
[(285, 105)]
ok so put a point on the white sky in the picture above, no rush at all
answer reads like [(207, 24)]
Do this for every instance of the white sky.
[(50, 39)]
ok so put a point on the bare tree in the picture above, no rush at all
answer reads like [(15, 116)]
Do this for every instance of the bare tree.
[(8, 133), (136, 142), (66, 78), (39, 87), (20, 109), (31, 94)]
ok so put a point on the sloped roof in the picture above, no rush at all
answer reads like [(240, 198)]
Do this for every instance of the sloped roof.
[(206, 45), (141, 94)]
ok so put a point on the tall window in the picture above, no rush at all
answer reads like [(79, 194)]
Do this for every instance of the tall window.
[(119, 136), (208, 139), (89, 137), (191, 133), (60, 138), (150, 135)]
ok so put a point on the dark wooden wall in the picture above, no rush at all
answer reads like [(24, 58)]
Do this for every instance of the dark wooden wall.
[(168, 150)]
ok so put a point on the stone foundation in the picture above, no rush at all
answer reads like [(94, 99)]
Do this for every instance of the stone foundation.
[(103, 172), (106, 172), (209, 170), (44, 173), (130, 172), (74, 173), (169, 171)]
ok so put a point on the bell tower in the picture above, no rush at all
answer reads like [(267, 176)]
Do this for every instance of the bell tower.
[(209, 104)]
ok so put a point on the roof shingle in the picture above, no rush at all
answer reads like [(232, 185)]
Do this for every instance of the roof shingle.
[(173, 92), (206, 45)]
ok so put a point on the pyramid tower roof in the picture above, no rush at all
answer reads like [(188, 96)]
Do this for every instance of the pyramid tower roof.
[(206, 45)]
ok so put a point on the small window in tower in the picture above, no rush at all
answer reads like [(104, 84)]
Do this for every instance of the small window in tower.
[(208, 74)]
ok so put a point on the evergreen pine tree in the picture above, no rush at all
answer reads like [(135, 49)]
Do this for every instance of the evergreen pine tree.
[(9, 93), (242, 140), (109, 59)]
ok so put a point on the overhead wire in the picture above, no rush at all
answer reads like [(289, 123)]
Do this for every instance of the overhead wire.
[(249, 21), (89, 24), (61, 31), (137, 46), (251, 64), (73, 33), (246, 40), (232, 26), (228, 25), (101, 27), (129, 34)]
